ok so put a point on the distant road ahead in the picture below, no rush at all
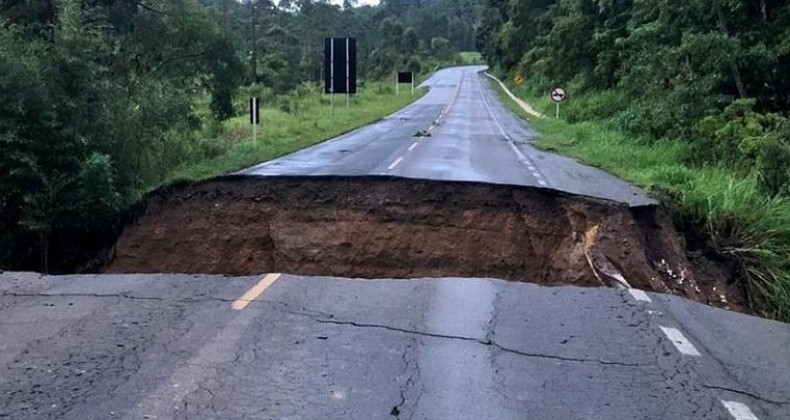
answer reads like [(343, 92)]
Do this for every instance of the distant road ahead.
[(473, 137)]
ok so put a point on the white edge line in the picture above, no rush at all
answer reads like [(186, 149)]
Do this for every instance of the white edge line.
[(396, 163), (639, 295), (680, 341), (412, 146), (504, 133), (739, 411)]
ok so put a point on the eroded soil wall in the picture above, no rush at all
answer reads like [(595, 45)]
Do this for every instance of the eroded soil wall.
[(396, 228)]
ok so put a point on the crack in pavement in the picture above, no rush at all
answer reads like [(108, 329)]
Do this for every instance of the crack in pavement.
[(116, 296), (486, 342), (745, 393), (410, 364), (680, 371)]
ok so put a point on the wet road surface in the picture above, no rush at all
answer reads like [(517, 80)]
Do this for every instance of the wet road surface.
[(288, 347), (473, 137)]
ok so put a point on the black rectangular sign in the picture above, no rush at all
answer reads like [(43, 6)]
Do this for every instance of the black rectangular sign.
[(340, 65), (255, 111), (405, 77)]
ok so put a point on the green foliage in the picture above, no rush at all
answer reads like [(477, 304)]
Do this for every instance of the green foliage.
[(736, 135), (441, 48), (772, 164), (689, 98), (750, 229), (741, 213), (103, 100), (97, 201), (309, 120)]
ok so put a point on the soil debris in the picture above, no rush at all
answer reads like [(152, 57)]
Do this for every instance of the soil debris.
[(381, 227)]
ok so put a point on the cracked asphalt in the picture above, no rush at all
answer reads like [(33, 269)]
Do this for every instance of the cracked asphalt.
[(172, 347)]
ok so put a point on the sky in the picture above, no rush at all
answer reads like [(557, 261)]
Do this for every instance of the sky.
[(361, 2)]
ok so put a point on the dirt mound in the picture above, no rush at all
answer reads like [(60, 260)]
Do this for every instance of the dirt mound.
[(397, 228)]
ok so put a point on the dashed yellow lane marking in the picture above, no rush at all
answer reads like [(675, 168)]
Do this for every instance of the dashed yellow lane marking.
[(254, 292)]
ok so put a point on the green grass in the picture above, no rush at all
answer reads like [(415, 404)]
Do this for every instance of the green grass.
[(721, 206), (311, 120), (471, 57)]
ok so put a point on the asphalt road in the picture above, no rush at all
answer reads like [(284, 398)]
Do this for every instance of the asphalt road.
[(203, 347), (473, 137)]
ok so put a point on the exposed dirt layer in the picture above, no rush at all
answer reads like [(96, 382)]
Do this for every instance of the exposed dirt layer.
[(397, 228)]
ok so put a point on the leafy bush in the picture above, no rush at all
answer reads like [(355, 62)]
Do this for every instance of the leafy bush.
[(773, 165)]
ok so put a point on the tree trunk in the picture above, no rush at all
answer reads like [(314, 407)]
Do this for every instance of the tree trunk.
[(736, 72)]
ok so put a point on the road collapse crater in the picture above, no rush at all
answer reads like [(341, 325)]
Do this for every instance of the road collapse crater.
[(386, 227)]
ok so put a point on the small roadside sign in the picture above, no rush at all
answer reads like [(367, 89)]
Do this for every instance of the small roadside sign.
[(255, 111), (255, 118), (558, 94), (405, 77), (518, 80)]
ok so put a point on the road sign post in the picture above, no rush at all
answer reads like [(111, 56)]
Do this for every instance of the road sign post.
[(404, 77), (558, 95), (255, 118), (340, 68)]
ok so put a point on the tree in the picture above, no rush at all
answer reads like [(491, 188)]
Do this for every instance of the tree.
[(441, 48), (410, 43)]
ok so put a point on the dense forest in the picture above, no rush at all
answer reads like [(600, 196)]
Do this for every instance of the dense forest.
[(693, 96), (102, 99), (714, 73)]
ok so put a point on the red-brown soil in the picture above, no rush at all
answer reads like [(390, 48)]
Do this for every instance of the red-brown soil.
[(397, 228)]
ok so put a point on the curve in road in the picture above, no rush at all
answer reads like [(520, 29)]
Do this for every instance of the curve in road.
[(459, 131)]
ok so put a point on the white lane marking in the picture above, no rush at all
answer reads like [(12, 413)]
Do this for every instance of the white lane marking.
[(639, 295), (542, 183), (454, 99), (412, 146), (520, 155), (490, 113), (396, 163), (681, 343), (739, 411)]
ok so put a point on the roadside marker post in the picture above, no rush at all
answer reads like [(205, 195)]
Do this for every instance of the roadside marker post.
[(558, 95), (255, 118)]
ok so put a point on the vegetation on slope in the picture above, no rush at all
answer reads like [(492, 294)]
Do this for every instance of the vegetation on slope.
[(689, 100), (103, 100)]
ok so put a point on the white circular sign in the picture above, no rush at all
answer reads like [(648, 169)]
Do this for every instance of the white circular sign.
[(558, 94)]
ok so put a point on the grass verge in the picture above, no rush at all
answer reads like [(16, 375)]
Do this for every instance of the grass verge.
[(296, 124), (471, 58), (720, 210)]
